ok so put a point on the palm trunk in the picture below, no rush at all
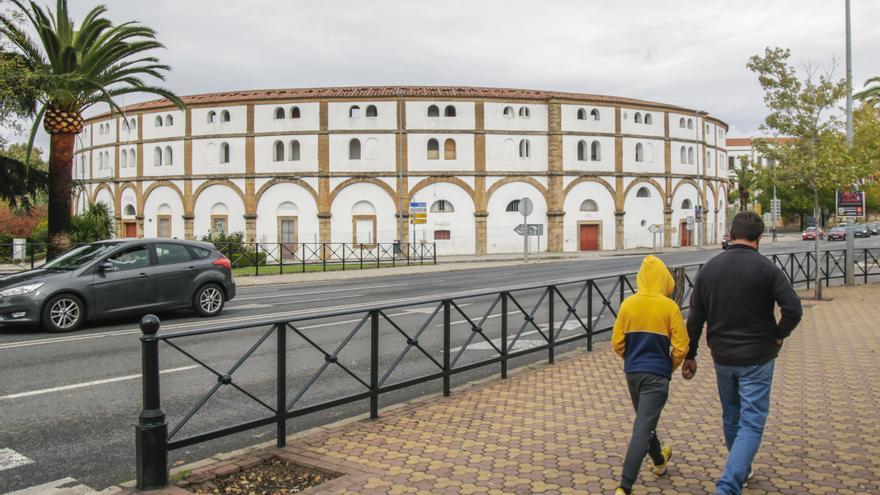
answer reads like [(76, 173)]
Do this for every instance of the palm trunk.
[(60, 183)]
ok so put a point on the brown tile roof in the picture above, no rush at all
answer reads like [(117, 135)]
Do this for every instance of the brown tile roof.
[(369, 92), (748, 141)]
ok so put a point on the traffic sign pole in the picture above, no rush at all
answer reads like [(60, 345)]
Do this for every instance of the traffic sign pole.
[(525, 208)]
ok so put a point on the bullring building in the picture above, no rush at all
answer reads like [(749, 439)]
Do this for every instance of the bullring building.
[(342, 165)]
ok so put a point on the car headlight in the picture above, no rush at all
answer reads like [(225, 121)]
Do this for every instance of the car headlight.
[(21, 289)]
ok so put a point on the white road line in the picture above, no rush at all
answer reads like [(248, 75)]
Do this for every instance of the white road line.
[(244, 290), (11, 459), (85, 384), (56, 487), (278, 296)]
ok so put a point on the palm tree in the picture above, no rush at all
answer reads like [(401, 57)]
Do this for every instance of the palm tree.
[(745, 179), (78, 67), (870, 93)]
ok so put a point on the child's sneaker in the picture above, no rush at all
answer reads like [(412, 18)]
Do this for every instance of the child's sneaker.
[(622, 491), (660, 469)]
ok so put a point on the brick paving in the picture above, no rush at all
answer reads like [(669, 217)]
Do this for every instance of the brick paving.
[(564, 428)]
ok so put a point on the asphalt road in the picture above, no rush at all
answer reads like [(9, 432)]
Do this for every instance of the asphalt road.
[(68, 402)]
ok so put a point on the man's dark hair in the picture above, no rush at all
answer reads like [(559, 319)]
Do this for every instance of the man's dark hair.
[(746, 225)]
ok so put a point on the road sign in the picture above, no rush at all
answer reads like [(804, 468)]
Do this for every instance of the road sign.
[(776, 207), (850, 203), (655, 227), (418, 205), (690, 223), (534, 229), (418, 213), (526, 207), (698, 213)]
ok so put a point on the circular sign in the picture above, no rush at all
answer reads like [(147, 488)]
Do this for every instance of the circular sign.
[(526, 207)]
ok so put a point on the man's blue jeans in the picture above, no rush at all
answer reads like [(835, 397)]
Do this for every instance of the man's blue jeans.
[(745, 404)]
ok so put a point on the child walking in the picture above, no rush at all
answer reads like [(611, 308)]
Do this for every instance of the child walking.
[(648, 324)]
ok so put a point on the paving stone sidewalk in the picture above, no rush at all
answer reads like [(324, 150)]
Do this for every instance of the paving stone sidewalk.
[(564, 428)]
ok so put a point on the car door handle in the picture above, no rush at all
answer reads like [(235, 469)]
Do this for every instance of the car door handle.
[(190, 268), (144, 275)]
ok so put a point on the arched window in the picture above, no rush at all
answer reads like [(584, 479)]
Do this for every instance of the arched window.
[(594, 114), (690, 123), (449, 149), (224, 116), (354, 149), (433, 111), (129, 211), (513, 206), (525, 148), (708, 159), (524, 112), (132, 158), (294, 151), (509, 112), (279, 113), (123, 160), (640, 152), (157, 156), (509, 149), (158, 121), (589, 205), (681, 123), (433, 149), (582, 150), (100, 161), (169, 120), (582, 114), (212, 117), (449, 111), (643, 192), (224, 153), (278, 151), (686, 204), (354, 111), (638, 118), (132, 124), (595, 151), (168, 159), (649, 119), (371, 149), (683, 155), (690, 156), (295, 113), (372, 111), (442, 206)]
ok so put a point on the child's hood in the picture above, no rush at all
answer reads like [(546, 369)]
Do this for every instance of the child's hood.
[(654, 278)]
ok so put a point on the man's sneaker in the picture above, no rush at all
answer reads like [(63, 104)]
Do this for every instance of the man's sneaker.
[(660, 469), (749, 477), (622, 491)]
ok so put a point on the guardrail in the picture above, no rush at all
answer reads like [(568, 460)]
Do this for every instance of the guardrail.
[(494, 322), (263, 258)]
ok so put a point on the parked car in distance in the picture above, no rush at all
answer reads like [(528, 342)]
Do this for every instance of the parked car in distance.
[(837, 234), (874, 228), (116, 278), (810, 234), (861, 231), (725, 241)]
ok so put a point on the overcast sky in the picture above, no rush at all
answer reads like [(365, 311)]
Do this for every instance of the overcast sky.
[(689, 53)]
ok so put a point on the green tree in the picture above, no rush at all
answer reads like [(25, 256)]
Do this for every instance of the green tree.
[(78, 67), (745, 179), (20, 186), (93, 224)]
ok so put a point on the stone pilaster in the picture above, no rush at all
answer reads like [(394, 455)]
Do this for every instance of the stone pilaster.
[(250, 193), (667, 227), (188, 227), (140, 146), (250, 227), (480, 201), (554, 183), (618, 229), (324, 227), (480, 227), (402, 168), (140, 226), (324, 233)]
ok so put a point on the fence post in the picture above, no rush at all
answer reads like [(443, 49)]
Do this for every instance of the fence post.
[(827, 268), (151, 432), (343, 256), (280, 258), (435, 253), (32, 257), (257, 258), (551, 355), (447, 328), (589, 315), (504, 335), (324, 255), (374, 364), (281, 389), (394, 248), (303, 258), (362, 256), (622, 290), (865, 263)]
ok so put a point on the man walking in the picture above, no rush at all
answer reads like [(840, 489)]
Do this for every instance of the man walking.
[(734, 294)]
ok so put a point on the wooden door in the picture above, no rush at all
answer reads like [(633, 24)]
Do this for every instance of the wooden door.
[(287, 237), (589, 237), (130, 229), (685, 235)]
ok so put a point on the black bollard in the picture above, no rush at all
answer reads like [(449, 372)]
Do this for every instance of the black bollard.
[(151, 432)]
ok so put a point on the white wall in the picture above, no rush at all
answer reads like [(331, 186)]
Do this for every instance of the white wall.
[(128, 167), (337, 115), (682, 133), (652, 164), (236, 124), (677, 166), (649, 210), (383, 161), (417, 115), (570, 154), (499, 159), (494, 119), (685, 191), (417, 152), (206, 156), (107, 159), (99, 138), (176, 167), (105, 197), (460, 222), (265, 121), (571, 123), (264, 154), (573, 215), (207, 199), (629, 126), (341, 211), (306, 213), (152, 131), (500, 236), (129, 133), (158, 197)]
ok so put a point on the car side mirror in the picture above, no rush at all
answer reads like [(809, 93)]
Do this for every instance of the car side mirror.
[(106, 266)]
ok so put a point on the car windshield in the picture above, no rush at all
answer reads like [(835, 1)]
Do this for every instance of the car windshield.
[(79, 256), (810, 229)]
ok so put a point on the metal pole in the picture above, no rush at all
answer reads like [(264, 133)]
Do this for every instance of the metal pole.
[(447, 339), (551, 354), (151, 432), (374, 364), (281, 386), (850, 252), (525, 239), (504, 335), (849, 118)]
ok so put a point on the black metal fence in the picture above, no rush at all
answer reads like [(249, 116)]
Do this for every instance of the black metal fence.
[(262, 258), (383, 349)]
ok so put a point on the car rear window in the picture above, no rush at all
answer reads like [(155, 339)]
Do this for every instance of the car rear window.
[(200, 252), (169, 254)]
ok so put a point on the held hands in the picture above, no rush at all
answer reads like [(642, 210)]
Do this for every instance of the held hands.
[(688, 368)]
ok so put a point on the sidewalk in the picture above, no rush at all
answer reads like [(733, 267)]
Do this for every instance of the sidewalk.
[(564, 428)]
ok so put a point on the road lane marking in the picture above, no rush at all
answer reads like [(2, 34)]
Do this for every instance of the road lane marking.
[(11, 459), (85, 384), (57, 487), (294, 302), (244, 290)]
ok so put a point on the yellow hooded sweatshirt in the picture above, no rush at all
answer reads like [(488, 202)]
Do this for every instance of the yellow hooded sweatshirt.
[(649, 323)]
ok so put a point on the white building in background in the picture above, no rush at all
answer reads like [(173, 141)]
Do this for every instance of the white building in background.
[(342, 164)]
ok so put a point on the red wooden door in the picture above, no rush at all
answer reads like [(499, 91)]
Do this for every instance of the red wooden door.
[(685, 238), (589, 237), (130, 229)]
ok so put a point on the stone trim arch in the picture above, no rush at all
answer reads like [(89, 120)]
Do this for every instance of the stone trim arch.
[(437, 180), (692, 182), (643, 180), (120, 188), (215, 182), (580, 180), (142, 201), (282, 180), (370, 180), (507, 180), (104, 185)]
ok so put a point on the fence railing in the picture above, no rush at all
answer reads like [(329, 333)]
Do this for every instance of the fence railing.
[(382, 349), (263, 258)]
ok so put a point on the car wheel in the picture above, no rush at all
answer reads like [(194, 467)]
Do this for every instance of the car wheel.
[(208, 300), (63, 313)]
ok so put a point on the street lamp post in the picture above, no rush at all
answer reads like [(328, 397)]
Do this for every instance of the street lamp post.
[(850, 241)]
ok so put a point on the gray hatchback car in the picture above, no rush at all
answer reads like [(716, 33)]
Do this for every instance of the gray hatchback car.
[(110, 279)]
